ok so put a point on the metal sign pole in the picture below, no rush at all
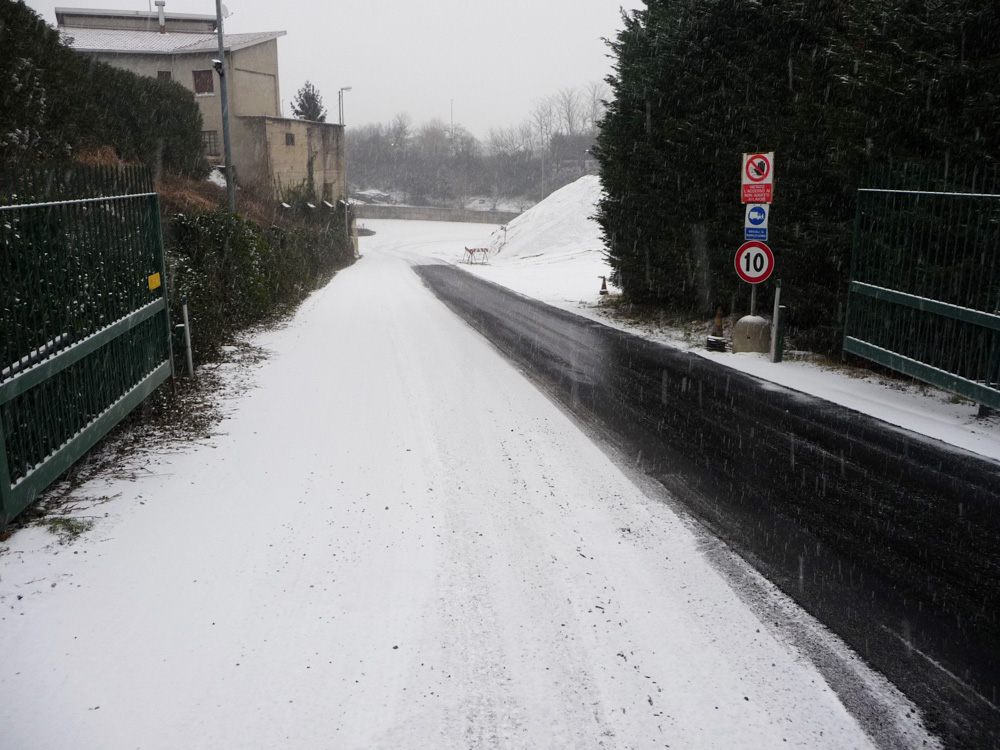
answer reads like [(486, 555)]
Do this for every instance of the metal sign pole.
[(187, 337), (774, 321)]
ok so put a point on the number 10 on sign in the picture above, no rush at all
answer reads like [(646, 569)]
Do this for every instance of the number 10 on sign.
[(754, 262)]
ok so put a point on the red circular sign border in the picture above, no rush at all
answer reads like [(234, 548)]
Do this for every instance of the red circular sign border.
[(746, 169), (767, 252)]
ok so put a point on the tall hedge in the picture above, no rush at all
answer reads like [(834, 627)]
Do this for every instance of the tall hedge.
[(56, 102), (831, 86), (235, 273)]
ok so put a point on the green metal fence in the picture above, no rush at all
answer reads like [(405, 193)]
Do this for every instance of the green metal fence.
[(925, 292), (85, 330)]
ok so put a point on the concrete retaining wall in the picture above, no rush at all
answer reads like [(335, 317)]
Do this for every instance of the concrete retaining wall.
[(425, 213)]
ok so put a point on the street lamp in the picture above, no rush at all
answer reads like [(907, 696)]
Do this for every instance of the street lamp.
[(343, 140)]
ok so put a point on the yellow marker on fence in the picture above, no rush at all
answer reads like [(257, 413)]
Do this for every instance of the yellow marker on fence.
[(154, 281)]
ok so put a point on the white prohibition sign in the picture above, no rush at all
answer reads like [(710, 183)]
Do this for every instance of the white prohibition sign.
[(758, 168), (754, 262)]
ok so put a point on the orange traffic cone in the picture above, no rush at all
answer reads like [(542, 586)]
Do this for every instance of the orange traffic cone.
[(604, 285)]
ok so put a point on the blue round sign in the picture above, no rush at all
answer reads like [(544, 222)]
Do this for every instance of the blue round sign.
[(756, 216)]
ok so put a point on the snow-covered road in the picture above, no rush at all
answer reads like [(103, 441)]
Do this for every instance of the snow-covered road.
[(398, 542)]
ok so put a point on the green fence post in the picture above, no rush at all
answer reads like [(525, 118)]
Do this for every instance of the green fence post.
[(6, 504), (158, 235)]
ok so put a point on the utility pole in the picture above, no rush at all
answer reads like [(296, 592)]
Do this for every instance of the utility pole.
[(220, 68)]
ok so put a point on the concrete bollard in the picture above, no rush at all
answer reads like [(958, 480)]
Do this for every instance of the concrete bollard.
[(752, 333)]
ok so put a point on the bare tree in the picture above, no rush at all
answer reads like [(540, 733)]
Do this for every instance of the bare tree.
[(595, 94), (569, 106), (464, 144), (433, 142), (400, 130), (526, 134), (543, 120), (510, 159), (368, 146), (466, 163), (504, 142), (441, 162)]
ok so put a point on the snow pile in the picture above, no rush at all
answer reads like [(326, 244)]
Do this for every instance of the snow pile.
[(217, 178), (554, 251), (558, 227)]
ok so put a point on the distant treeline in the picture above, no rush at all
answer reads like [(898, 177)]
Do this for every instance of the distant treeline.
[(441, 164), (834, 87), (56, 103)]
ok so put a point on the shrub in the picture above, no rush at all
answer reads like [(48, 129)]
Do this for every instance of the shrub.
[(57, 102), (235, 274)]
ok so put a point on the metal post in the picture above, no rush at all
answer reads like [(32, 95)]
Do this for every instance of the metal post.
[(7, 510), (154, 213), (343, 136), (774, 321), (220, 68), (753, 299), (187, 336), (779, 346)]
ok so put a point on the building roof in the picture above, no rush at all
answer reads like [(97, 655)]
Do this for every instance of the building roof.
[(136, 42), (290, 120), (152, 15)]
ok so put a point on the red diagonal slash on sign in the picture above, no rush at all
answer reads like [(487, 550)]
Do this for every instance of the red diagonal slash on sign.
[(758, 177), (758, 168)]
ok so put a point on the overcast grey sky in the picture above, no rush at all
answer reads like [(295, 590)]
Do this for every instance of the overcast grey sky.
[(494, 60)]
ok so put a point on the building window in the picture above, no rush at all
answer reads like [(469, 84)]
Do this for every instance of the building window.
[(163, 75), (289, 139), (210, 142), (204, 82)]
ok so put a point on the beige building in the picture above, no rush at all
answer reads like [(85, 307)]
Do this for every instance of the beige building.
[(271, 151), (290, 154)]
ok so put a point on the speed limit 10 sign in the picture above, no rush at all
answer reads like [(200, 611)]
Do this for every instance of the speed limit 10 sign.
[(754, 262)]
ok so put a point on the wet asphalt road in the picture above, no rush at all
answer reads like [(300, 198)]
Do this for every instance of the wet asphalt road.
[(890, 539)]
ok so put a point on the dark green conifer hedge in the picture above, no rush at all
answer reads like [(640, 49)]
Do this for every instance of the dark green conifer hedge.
[(235, 273), (56, 102), (831, 86)]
